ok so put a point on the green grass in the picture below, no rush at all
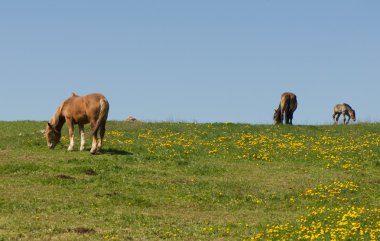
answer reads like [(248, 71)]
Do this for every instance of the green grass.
[(181, 181)]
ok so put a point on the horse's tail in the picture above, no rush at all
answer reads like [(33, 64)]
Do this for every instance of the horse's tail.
[(286, 108), (295, 103), (103, 113)]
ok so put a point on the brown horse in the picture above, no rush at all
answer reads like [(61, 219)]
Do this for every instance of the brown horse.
[(286, 108), (92, 108), (344, 109)]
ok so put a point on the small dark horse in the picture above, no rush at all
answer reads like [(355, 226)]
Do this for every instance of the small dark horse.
[(286, 108), (92, 108), (346, 110)]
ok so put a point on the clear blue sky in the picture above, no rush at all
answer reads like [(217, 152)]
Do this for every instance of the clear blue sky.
[(204, 61)]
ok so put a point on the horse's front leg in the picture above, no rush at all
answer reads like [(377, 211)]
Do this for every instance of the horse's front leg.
[(82, 137), (344, 118), (70, 126), (337, 118), (348, 119), (282, 113)]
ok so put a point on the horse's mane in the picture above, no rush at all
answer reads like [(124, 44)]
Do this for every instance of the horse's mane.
[(348, 106), (55, 120)]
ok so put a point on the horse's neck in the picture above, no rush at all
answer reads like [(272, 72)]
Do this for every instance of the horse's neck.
[(60, 124), (279, 108), (58, 119)]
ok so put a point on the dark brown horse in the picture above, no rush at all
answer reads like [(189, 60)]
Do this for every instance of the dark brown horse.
[(286, 108), (346, 110), (81, 110)]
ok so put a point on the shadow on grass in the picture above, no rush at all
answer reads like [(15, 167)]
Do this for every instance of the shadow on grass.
[(112, 151)]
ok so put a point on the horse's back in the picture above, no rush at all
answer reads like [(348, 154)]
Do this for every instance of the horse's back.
[(339, 108), (84, 109), (95, 96)]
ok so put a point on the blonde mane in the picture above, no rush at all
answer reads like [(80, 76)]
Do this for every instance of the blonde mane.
[(57, 116)]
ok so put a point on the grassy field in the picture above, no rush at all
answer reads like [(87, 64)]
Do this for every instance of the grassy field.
[(180, 181)]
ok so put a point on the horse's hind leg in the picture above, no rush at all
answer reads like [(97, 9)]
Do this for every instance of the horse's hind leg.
[(291, 118), (94, 142), (102, 132), (94, 139), (287, 117)]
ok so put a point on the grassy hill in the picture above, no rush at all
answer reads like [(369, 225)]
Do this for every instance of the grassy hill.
[(180, 181)]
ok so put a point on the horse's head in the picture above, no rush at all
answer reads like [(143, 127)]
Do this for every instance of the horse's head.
[(52, 136), (277, 117), (352, 115)]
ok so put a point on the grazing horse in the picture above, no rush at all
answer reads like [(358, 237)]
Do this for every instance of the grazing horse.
[(286, 108), (92, 108), (344, 109)]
